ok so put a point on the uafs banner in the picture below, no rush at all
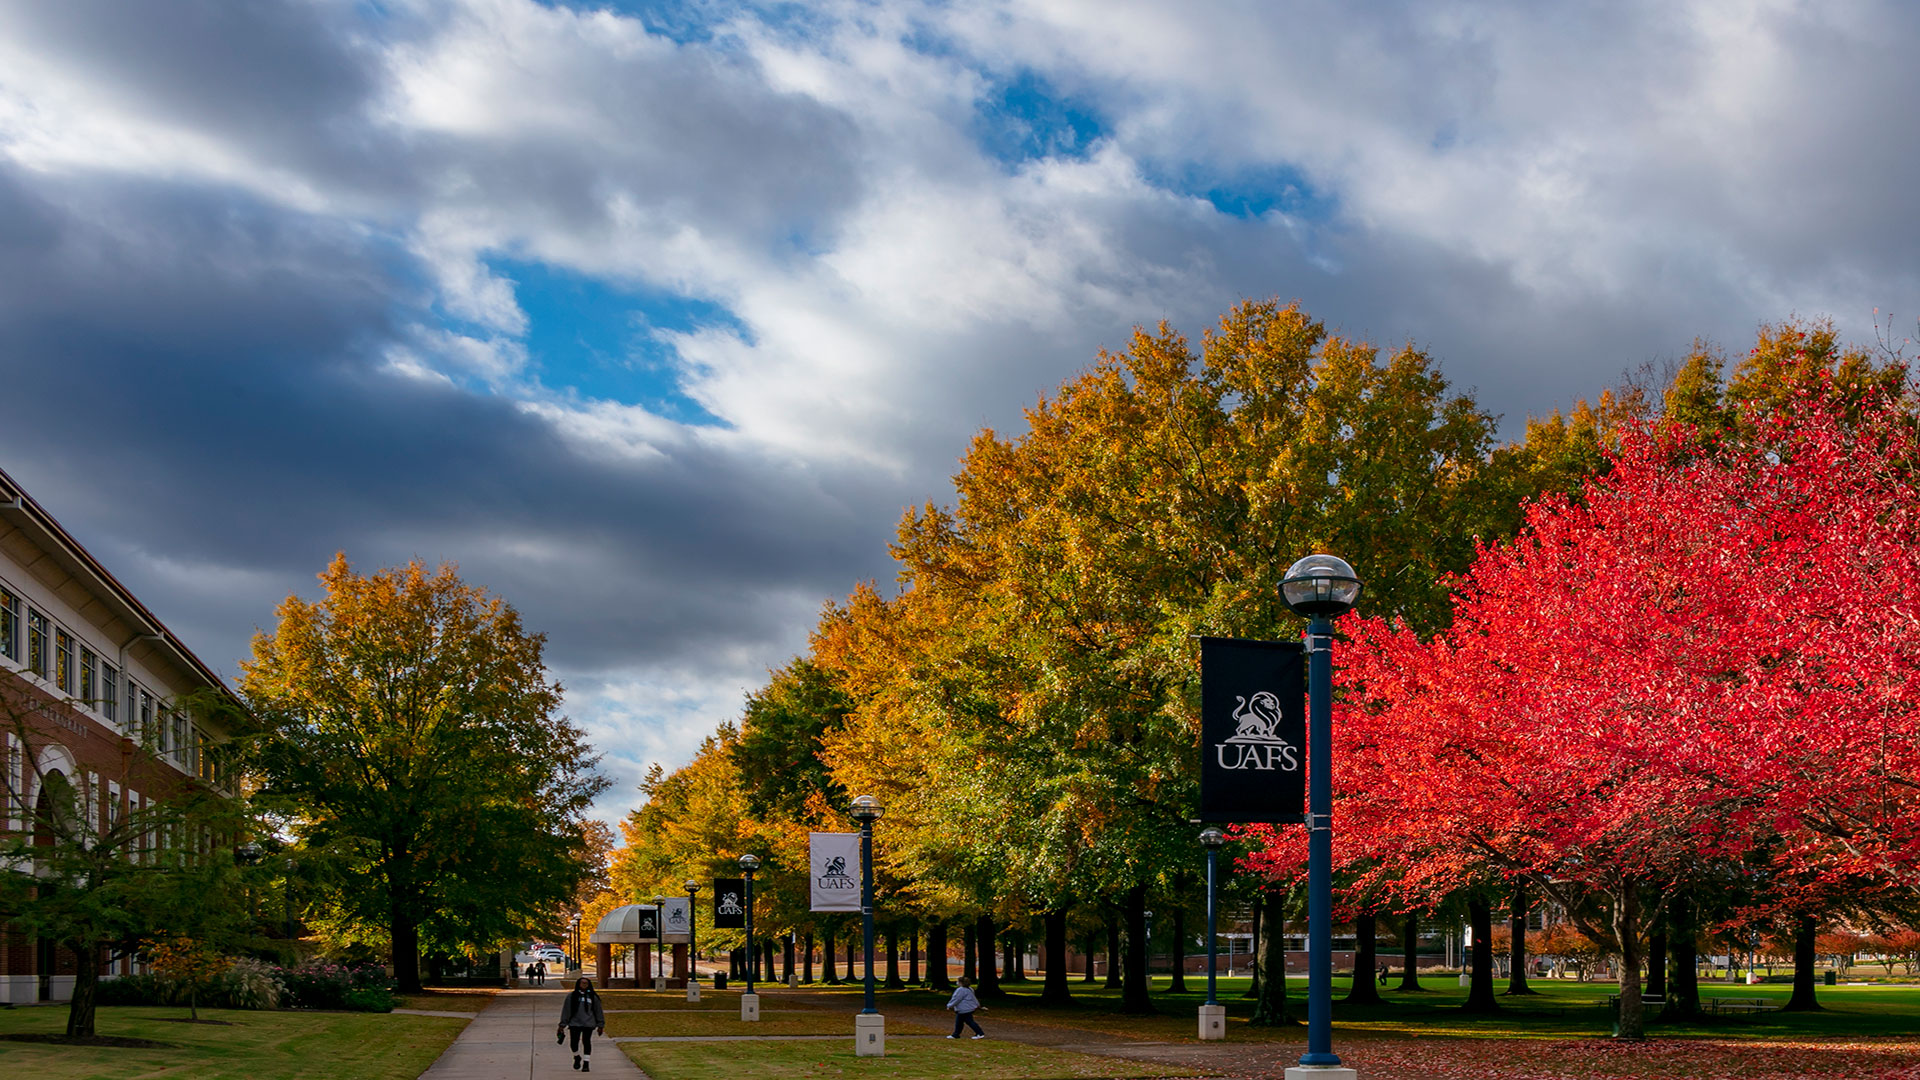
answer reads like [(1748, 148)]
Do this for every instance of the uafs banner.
[(1253, 730), (835, 866), (729, 903)]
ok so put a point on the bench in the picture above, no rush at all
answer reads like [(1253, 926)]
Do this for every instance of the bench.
[(1739, 1006)]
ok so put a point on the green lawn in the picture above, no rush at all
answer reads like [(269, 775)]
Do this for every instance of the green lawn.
[(907, 1059), (251, 1046), (451, 1000), (682, 1022), (1563, 1009)]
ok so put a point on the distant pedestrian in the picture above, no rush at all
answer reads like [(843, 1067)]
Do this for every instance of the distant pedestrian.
[(539, 973), (1383, 972), (516, 971), (582, 1017), (964, 1005)]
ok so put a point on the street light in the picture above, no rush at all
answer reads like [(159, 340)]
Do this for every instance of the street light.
[(1213, 1015), (693, 957), (866, 810), (660, 942), (1321, 587), (573, 941), (869, 1028), (748, 864)]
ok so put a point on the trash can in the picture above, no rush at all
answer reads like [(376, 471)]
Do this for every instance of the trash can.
[(719, 980), (1833, 978)]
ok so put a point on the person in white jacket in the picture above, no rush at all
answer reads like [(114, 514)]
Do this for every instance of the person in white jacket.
[(964, 1005)]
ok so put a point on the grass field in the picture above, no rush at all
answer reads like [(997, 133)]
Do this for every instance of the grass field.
[(249, 1046), (907, 1059), (461, 1000)]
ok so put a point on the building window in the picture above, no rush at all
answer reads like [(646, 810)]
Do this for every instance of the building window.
[(9, 625), (87, 686), (182, 749), (63, 660), (36, 643), (146, 712), (109, 692)]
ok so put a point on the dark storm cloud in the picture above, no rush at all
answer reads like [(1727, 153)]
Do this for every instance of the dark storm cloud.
[(217, 397)]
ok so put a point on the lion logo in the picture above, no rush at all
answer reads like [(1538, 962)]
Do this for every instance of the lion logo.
[(1256, 720)]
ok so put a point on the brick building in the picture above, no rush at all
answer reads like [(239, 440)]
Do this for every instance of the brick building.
[(90, 691)]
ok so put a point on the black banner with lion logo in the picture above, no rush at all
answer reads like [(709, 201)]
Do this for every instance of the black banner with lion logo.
[(730, 903), (1253, 730)]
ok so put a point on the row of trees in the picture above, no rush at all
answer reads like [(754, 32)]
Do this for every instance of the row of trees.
[(1648, 661)]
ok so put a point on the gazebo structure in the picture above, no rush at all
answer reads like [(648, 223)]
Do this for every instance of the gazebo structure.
[(637, 925)]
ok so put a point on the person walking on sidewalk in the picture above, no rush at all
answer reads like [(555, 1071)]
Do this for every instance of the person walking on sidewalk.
[(964, 1005), (582, 1015)]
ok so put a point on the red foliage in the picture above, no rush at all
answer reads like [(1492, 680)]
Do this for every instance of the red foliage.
[(1712, 653)]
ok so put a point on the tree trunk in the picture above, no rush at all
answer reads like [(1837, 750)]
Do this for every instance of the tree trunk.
[(1054, 990), (1133, 990), (86, 980), (1020, 957), (806, 976), (1410, 956), (913, 955), (1480, 997), (1517, 949), (969, 965), (1657, 964), (766, 950), (786, 959), (1626, 928), (1270, 1009), (1179, 983), (894, 981), (828, 973), (937, 977), (1093, 946), (1254, 958), (1366, 985), (405, 933), (1683, 980), (1804, 960), (1114, 965), (989, 979), (1009, 959)]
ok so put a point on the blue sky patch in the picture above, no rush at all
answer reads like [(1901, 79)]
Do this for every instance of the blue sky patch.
[(1252, 193), (1025, 119), (597, 339)]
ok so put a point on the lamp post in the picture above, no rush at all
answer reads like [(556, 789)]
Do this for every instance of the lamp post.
[(660, 943), (869, 1028), (749, 1001), (1213, 1015), (693, 957), (1321, 587), (573, 941)]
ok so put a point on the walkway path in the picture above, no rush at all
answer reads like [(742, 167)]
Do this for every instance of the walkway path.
[(513, 1040)]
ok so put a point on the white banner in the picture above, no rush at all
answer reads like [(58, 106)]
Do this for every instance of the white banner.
[(835, 864), (676, 920)]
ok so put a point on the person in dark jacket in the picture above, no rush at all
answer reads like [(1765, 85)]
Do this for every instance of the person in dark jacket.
[(582, 1016)]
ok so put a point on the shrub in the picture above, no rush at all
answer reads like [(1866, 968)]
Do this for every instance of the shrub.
[(371, 999), (324, 985), (133, 990), (246, 984)]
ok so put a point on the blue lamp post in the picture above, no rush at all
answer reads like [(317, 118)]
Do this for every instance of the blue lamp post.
[(1321, 587), (1213, 1016), (748, 864), (866, 811)]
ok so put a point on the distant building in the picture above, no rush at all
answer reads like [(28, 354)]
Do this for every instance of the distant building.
[(90, 682)]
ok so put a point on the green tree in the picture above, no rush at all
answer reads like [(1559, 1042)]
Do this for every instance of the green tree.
[(412, 735), (90, 876)]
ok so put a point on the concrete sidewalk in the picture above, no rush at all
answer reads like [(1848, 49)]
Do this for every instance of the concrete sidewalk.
[(513, 1040)]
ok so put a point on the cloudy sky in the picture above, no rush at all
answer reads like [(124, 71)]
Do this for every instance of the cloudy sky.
[(654, 316)]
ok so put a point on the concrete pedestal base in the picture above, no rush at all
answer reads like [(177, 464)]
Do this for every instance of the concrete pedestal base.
[(693, 991), (1213, 1022), (869, 1035), (1321, 1072), (749, 1006)]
